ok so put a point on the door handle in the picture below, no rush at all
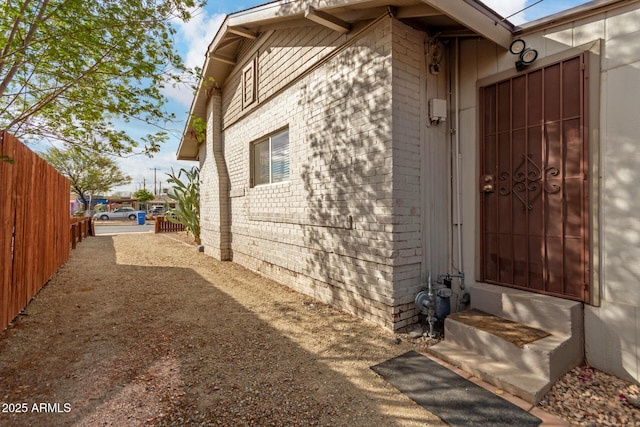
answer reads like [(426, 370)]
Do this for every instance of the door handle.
[(487, 183)]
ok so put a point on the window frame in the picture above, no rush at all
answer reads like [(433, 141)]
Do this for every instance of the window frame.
[(252, 151)]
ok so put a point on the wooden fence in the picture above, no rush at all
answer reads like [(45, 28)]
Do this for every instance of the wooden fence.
[(80, 229), (164, 226), (34, 225)]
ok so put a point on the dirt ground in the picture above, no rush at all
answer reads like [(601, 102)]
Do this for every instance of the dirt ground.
[(140, 329)]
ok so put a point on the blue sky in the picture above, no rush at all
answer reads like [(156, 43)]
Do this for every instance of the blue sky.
[(192, 40)]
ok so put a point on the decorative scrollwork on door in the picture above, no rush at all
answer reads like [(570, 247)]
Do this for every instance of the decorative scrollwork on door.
[(525, 181)]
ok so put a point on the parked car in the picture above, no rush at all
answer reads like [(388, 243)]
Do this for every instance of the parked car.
[(120, 213), (158, 210)]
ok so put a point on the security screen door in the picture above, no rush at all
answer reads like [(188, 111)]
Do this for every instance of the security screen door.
[(534, 180)]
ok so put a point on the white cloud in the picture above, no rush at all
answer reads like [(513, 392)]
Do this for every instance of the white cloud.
[(192, 40), (197, 34), (181, 94)]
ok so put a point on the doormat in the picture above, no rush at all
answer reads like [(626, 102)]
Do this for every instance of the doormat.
[(449, 396)]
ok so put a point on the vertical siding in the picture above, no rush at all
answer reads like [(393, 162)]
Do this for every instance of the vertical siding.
[(421, 166), (613, 342)]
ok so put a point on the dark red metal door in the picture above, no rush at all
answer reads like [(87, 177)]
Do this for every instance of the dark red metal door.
[(534, 181)]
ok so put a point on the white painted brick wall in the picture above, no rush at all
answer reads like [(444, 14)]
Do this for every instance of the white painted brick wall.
[(214, 184), (408, 53), (354, 160)]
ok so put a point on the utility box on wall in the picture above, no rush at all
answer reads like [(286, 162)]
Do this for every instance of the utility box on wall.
[(437, 110)]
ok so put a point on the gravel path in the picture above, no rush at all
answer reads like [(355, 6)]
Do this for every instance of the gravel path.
[(152, 332), (588, 397)]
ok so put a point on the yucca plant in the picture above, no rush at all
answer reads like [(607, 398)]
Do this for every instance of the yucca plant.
[(187, 196)]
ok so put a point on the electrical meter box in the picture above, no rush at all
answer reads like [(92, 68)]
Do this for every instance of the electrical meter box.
[(437, 110)]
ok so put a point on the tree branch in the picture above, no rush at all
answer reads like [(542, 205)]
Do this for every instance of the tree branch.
[(30, 34)]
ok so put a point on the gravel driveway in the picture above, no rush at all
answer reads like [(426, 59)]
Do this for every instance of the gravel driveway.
[(143, 330)]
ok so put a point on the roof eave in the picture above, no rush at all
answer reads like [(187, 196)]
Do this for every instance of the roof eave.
[(188, 149), (470, 13), (478, 18), (579, 12)]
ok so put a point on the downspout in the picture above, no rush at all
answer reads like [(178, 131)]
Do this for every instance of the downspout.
[(462, 297), (458, 154)]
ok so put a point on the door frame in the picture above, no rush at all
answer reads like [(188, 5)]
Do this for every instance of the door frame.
[(592, 115)]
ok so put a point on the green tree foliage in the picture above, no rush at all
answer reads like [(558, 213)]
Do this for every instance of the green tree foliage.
[(90, 174), (70, 68), (143, 195), (187, 196)]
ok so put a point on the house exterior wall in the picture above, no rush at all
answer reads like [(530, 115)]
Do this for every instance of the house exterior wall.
[(612, 321), (422, 196), (345, 228), (214, 180)]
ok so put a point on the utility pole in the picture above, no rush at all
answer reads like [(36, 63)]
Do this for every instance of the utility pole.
[(155, 188)]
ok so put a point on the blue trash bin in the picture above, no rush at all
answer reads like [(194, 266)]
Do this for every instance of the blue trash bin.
[(141, 218)]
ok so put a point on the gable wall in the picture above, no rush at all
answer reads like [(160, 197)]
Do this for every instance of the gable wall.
[(282, 56), (348, 226)]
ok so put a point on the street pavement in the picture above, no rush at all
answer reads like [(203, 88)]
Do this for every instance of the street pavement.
[(104, 229)]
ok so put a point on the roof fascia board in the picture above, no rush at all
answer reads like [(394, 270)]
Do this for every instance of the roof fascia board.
[(222, 32), (199, 100), (280, 10), (474, 18), (579, 12)]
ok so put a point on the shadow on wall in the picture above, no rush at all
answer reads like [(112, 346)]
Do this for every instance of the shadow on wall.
[(347, 175), (612, 334)]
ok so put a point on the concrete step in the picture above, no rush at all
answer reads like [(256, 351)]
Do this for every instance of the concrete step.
[(528, 371), (551, 314), (541, 358), (505, 376)]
